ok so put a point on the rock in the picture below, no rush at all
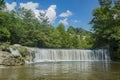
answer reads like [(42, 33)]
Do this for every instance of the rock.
[(3, 55), (13, 61), (15, 55), (10, 60), (23, 51), (17, 45)]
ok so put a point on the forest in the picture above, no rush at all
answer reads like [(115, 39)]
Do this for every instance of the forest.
[(22, 27)]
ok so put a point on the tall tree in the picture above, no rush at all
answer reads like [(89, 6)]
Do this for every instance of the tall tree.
[(106, 25)]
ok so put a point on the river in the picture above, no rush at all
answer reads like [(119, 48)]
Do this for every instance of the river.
[(81, 70)]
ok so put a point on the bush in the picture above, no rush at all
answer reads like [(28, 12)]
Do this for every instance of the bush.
[(22, 50), (5, 46)]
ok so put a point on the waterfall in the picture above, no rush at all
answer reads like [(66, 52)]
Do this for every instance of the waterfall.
[(43, 55), (15, 52)]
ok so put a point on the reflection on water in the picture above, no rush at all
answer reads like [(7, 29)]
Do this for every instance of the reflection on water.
[(63, 71)]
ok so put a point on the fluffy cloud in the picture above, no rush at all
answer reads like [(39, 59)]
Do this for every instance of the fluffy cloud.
[(29, 5), (66, 14), (76, 21), (64, 21), (51, 13), (32, 6), (11, 6)]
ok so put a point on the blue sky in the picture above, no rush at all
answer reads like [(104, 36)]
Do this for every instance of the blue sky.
[(75, 13)]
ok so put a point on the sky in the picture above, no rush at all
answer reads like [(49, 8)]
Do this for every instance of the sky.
[(76, 13)]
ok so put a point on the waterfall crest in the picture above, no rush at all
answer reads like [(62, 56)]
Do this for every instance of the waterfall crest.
[(46, 55)]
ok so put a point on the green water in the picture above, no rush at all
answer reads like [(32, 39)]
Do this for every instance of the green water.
[(63, 71)]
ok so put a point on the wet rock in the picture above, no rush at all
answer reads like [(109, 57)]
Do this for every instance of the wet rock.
[(10, 60), (23, 51)]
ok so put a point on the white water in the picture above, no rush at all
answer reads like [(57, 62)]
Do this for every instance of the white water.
[(46, 55), (15, 52)]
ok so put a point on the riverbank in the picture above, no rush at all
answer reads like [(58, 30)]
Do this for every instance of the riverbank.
[(15, 55)]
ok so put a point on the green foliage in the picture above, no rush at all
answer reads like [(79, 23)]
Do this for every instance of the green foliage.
[(5, 46), (2, 5), (22, 27), (4, 34), (22, 50), (105, 2), (106, 26)]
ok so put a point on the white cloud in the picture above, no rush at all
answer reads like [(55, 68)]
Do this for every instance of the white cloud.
[(29, 5), (51, 13), (37, 12), (66, 14), (76, 21), (64, 21), (11, 6)]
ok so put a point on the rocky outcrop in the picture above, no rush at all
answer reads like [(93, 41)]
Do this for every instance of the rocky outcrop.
[(8, 59), (13, 55), (25, 52)]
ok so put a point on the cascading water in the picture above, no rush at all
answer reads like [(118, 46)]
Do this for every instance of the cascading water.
[(15, 52), (43, 55)]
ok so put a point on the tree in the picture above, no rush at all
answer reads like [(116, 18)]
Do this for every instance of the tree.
[(43, 19), (71, 30), (21, 26), (106, 26), (63, 35), (4, 34), (2, 4), (105, 3), (5, 21)]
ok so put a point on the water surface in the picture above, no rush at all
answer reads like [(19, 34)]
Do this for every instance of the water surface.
[(63, 71)]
